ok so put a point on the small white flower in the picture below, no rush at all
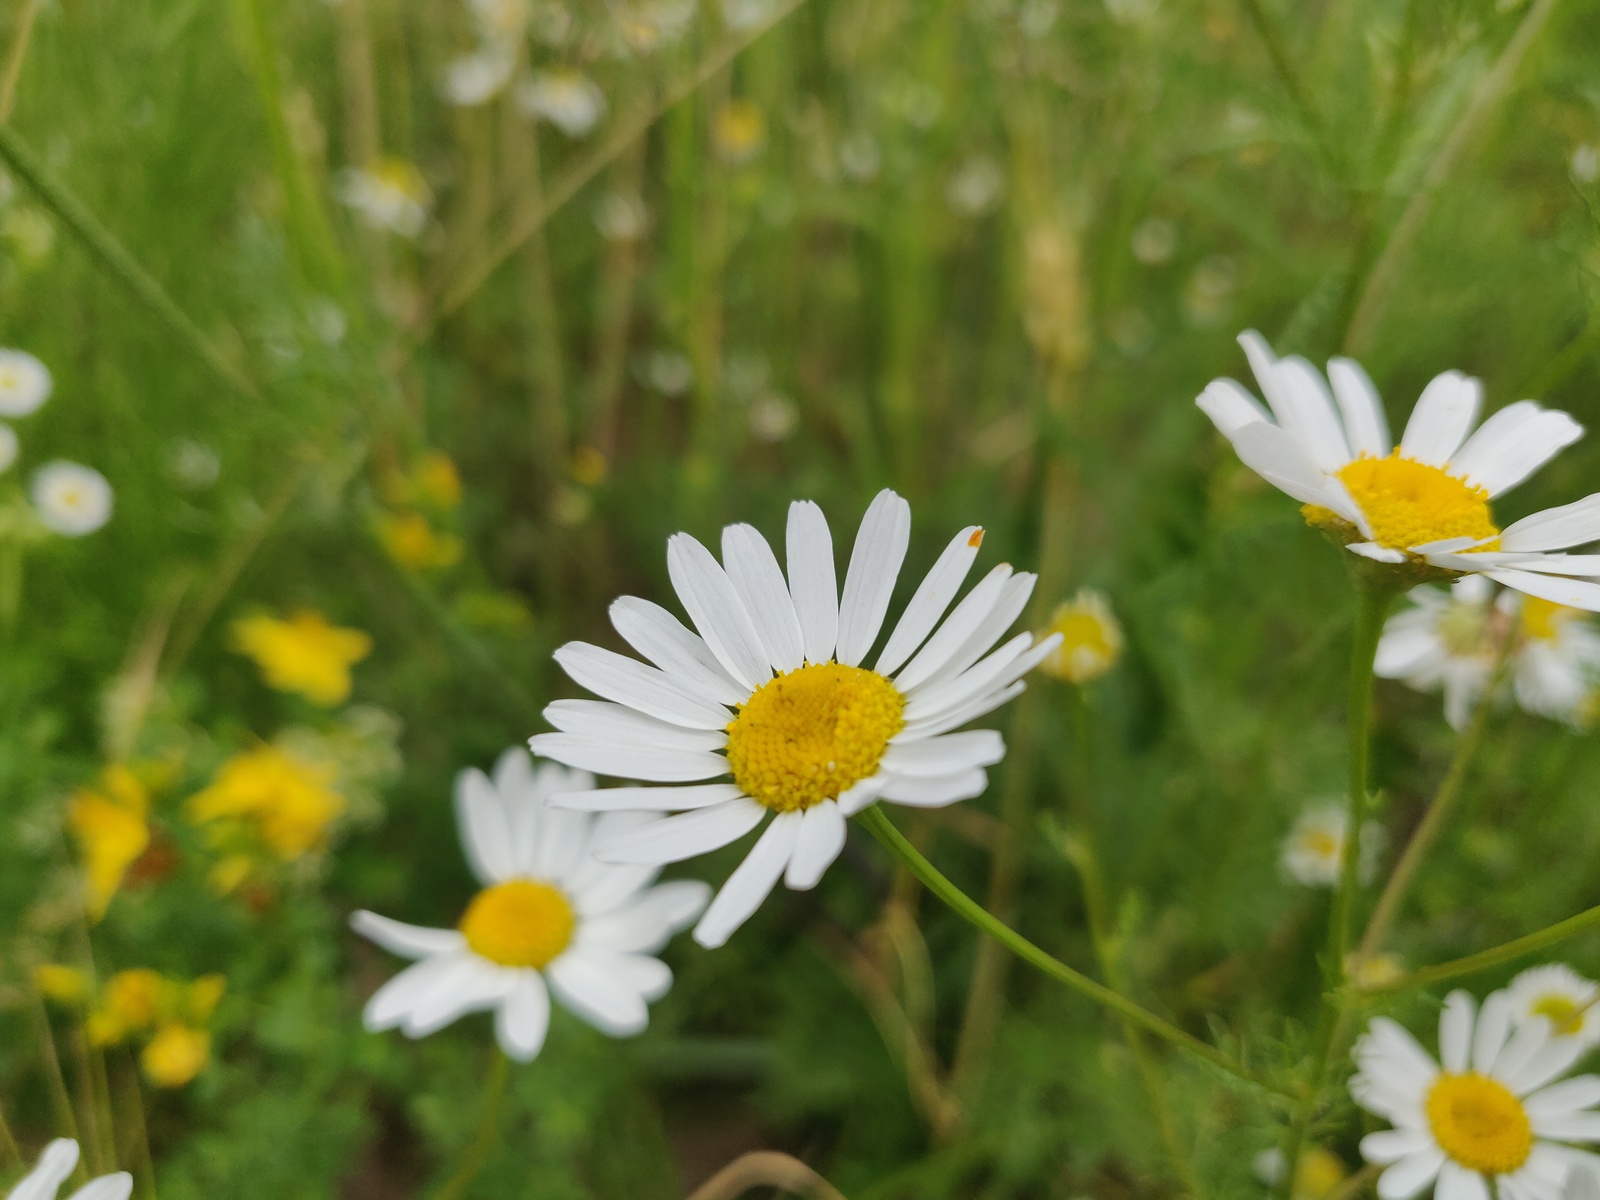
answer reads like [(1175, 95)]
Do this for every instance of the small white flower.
[(1491, 1114), (391, 195), (1313, 853), (71, 499), (501, 21), (1561, 996), (1427, 500), (668, 371), (194, 465), (55, 1165), (9, 448), (621, 217), (773, 417), (1585, 163), (565, 97), (772, 692), (478, 77), (976, 187), (549, 919), (1154, 241), (24, 383)]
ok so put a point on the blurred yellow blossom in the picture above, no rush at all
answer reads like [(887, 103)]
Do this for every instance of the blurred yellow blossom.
[(130, 1001), (63, 984), (1091, 638), (414, 543), (437, 479), (136, 1001), (109, 823), (739, 131), (286, 802), (175, 1055), (589, 466), (304, 654)]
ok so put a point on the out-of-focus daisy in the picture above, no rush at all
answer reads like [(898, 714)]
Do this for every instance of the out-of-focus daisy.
[(71, 499), (24, 383), (305, 654), (621, 217), (739, 130), (109, 822), (56, 1164), (1425, 502), (1091, 638), (565, 97), (1561, 996), (773, 691), (1489, 1114), (389, 195), (1313, 853), (478, 77), (549, 919), (1319, 1174), (976, 187), (9, 448), (1452, 640)]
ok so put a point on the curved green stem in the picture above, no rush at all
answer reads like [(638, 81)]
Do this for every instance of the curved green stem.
[(1530, 943), (882, 829), (472, 1161)]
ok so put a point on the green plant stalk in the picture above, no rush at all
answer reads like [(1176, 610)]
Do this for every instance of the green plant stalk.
[(1530, 943), (112, 258), (494, 1092), (9, 1141), (883, 829)]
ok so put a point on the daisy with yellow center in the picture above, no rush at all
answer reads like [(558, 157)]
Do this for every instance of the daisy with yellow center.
[(391, 194), (1314, 850), (549, 919), (1489, 1115), (1561, 996), (70, 498), (25, 383), (305, 654), (1425, 502), (773, 690), (565, 97), (1091, 638)]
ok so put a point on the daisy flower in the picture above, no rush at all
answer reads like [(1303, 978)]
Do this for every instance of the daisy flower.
[(565, 97), (1091, 638), (391, 194), (549, 919), (773, 691), (71, 499), (1426, 501), (1490, 1113), (1561, 996), (1313, 853), (478, 77), (57, 1162), (24, 383)]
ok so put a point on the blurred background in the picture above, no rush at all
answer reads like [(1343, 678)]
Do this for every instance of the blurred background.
[(430, 321)]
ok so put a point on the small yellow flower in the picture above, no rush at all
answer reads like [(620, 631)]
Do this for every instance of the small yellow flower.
[(304, 654), (63, 984), (1375, 972), (437, 479), (130, 1001), (289, 803), (175, 1055), (739, 131), (202, 996), (413, 543), (589, 466), (109, 824), (1091, 638)]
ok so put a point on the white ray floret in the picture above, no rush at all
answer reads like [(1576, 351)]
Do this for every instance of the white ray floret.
[(772, 687), (57, 1162), (1561, 996), (550, 919), (1425, 499)]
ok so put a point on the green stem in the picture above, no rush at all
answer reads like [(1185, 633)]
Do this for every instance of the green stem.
[(964, 906), (9, 1141), (116, 261), (1531, 943), (494, 1091)]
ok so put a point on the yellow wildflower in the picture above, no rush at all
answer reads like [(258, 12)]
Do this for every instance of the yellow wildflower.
[(414, 543), (304, 654), (739, 131), (437, 480), (108, 822), (290, 803), (130, 1001), (589, 466), (1091, 639), (175, 1055), (63, 984)]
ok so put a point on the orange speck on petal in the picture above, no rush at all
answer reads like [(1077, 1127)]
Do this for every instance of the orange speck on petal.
[(976, 539)]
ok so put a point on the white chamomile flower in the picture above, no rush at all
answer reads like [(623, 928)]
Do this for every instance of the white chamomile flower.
[(1561, 996), (550, 918), (774, 691), (390, 195), (71, 499), (1556, 664), (1427, 500), (9, 448), (565, 97), (503, 21), (478, 77), (1490, 1113), (57, 1162), (1313, 853), (24, 383)]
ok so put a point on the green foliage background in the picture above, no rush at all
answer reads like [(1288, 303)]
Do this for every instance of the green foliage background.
[(1020, 367)]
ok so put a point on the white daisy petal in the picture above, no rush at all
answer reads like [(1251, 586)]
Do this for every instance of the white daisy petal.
[(1410, 1175), (1515, 1065), (650, 799), (1568, 1126), (1276, 456), (584, 987), (861, 795), (1444, 413), (1230, 406), (1555, 528), (602, 720), (1459, 1183), (1013, 599), (1455, 1030), (485, 834), (931, 599), (633, 683), (952, 753), (1391, 1145), (680, 901), (982, 677), (523, 1018), (713, 604), (813, 585), (1364, 418), (1554, 1058), (1376, 552), (1573, 593), (107, 1187), (408, 941), (973, 611), (874, 567), (936, 793), (1494, 1026), (669, 644), (392, 1003), (758, 579), (821, 837), (57, 1162), (673, 839), (1512, 444), (1315, 420), (955, 718), (472, 985), (1264, 365), (751, 882), (629, 761)]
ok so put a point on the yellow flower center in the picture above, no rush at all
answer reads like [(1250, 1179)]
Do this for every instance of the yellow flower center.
[(1542, 619), (1321, 843), (1479, 1123), (1409, 503), (1563, 1012), (520, 923), (806, 736)]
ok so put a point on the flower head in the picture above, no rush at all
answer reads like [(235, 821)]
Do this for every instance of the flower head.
[(25, 383), (412, 541), (175, 1055), (305, 654), (109, 823), (56, 1164), (170, 1015), (1091, 638), (478, 77), (773, 691), (1319, 1174), (61, 983), (739, 130), (389, 195), (565, 97), (1561, 996), (283, 802), (1313, 853), (71, 499), (1488, 1114), (549, 918), (1424, 504)]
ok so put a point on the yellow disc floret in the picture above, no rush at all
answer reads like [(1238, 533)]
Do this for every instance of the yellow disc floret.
[(806, 736), (1478, 1122), (1542, 619), (1563, 1012), (519, 923), (1409, 503)]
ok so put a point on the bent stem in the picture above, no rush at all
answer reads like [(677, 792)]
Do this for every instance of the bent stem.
[(494, 1091), (883, 829), (1530, 943)]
